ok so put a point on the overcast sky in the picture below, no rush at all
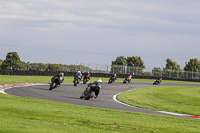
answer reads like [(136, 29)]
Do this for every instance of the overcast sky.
[(97, 31)]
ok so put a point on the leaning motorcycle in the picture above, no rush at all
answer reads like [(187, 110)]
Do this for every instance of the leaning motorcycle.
[(76, 81), (111, 80), (90, 91), (85, 79), (156, 82), (126, 80), (54, 83)]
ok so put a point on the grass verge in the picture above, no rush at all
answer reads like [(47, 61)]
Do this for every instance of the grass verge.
[(177, 99), (29, 115), (33, 115)]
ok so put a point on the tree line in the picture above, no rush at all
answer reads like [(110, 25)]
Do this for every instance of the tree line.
[(136, 61), (13, 62)]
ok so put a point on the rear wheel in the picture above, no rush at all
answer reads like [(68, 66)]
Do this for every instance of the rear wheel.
[(87, 97), (124, 82), (84, 81), (52, 86), (75, 82)]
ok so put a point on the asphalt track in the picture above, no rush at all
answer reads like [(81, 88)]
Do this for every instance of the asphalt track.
[(71, 94)]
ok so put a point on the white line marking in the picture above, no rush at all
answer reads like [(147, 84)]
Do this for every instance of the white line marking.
[(163, 112), (115, 99)]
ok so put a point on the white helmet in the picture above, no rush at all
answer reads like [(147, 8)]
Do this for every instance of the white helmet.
[(79, 73), (100, 81)]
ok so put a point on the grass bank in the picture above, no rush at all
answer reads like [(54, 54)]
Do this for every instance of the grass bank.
[(32, 115), (29, 115), (177, 99)]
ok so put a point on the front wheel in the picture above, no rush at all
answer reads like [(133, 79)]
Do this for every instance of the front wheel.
[(124, 82), (84, 81), (155, 83), (87, 97), (52, 86), (75, 82)]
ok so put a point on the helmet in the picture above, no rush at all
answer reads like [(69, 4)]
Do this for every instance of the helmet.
[(100, 81), (79, 73), (61, 74)]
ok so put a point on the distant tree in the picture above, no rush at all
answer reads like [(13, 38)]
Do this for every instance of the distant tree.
[(118, 65), (193, 65), (37, 66), (12, 62), (121, 60), (135, 64), (148, 74), (73, 68), (192, 68), (43, 67), (157, 72), (25, 66), (0, 63), (55, 67), (135, 61), (128, 65), (171, 65), (172, 69)]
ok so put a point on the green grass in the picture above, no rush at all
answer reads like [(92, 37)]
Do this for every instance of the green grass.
[(29, 115), (13, 79), (177, 99), (33, 115)]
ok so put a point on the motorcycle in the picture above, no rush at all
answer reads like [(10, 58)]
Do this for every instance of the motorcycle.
[(112, 79), (157, 82), (54, 83), (76, 81), (85, 79), (91, 91), (126, 80)]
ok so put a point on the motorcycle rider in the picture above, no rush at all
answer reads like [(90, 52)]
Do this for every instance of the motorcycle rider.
[(87, 74), (129, 77), (95, 86), (114, 76), (159, 80), (79, 75), (60, 78)]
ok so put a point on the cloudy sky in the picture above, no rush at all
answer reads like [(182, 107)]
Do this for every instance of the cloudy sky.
[(97, 31)]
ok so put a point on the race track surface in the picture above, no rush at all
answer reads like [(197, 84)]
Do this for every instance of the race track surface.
[(71, 94)]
